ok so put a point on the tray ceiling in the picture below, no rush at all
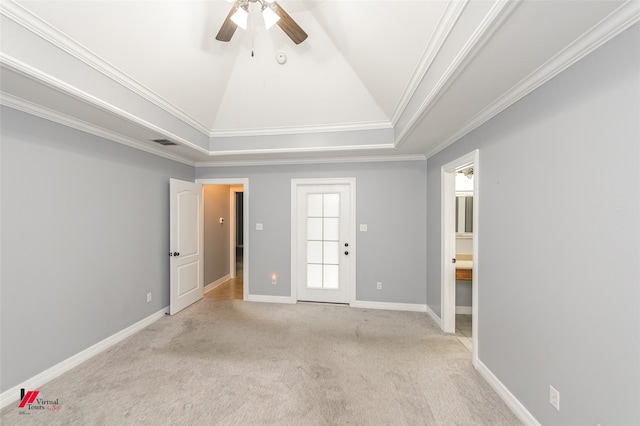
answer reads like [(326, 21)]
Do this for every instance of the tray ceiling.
[(375, 80)]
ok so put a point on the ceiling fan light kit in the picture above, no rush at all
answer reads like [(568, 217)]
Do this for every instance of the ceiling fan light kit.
[(240, 18), (270, 17), (271, 12)]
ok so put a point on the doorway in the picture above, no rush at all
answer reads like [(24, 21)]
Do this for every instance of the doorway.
[(323, 240), (233, 282), (460, 246)]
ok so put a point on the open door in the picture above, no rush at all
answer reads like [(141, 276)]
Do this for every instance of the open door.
[(186, 222)]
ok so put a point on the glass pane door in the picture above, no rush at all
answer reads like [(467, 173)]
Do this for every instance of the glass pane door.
[(323, 241)]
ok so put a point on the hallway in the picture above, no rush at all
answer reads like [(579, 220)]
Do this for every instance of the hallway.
[(231, 289)]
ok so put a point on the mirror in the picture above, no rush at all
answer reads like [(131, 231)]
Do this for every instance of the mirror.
[(464, 202)]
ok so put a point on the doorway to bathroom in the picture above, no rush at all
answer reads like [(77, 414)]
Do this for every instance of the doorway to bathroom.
[(459, 291)]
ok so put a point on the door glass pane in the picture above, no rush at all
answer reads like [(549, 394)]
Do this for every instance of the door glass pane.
[(314, 228), (323, 240), (331, 205), (314, 276), (331, 229), (331, 253), (314, 205), (314, 252), (331, 279)]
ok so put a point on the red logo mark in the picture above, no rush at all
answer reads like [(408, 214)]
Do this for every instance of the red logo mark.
[(28, 398)]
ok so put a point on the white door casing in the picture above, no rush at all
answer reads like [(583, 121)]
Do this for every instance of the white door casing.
[(323, 240), (186, 244)]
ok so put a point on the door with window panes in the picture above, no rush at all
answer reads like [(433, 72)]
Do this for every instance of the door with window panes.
[(325, 248)]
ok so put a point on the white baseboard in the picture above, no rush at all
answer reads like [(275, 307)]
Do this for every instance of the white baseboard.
[(434, 316), (516, 406), (463, 310), (13, 394), (216, 283), (269, 299), (389, 306)]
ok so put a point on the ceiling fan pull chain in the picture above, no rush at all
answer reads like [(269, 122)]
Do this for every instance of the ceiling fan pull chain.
[(253, 32)]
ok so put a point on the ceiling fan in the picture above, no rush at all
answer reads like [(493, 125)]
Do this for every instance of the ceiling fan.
[(272, 13)]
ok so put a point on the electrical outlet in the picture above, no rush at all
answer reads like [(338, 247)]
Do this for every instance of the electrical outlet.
[(554, 397), (363, 227), (148, 297), (379, 285)]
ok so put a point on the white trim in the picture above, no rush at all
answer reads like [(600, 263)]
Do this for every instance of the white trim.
[(444, 27), (337, 160), (447, 286), (270, 299), (389, 306), (13, 394), (464, 310), (28, 107), (491, 22), (61, 86), (245, 226), (434, 316), (617, 21), (216, 283), (295, 183), (512, 402), (25, 18), (313, 149), (233, 190), (301, 130), (448, 247)]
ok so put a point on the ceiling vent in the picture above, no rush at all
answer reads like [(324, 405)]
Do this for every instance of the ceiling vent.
[(164, 142)]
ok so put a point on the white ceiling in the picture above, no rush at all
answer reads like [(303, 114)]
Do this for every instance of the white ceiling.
[(375, 80)]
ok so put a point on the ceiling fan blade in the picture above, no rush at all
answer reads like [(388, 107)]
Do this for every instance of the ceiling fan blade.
[(228, 26), (289, 26)]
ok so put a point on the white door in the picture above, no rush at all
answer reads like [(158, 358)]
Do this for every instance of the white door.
[(186, 244), (325, 242)]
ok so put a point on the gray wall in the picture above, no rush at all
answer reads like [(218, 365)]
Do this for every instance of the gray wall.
[(390, 200), (84, 238), (216, 235), (564, 309)]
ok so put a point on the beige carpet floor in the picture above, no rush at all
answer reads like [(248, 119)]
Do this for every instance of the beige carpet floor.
[(230, 362)]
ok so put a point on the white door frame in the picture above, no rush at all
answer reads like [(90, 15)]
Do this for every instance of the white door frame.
[(294, 230), (448, 248), (235, 189), (245, 226)]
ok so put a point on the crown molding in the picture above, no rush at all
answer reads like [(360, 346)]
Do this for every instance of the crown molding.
[(301, 130), (491, 22), (25, 18), (337, 160), (66, 120), (303, 149), (44, 78), (448, 20), (619, 20)]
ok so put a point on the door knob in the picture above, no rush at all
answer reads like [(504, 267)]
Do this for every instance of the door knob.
[(175, 253), (453, 260), (346, 253), (346, 244)]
